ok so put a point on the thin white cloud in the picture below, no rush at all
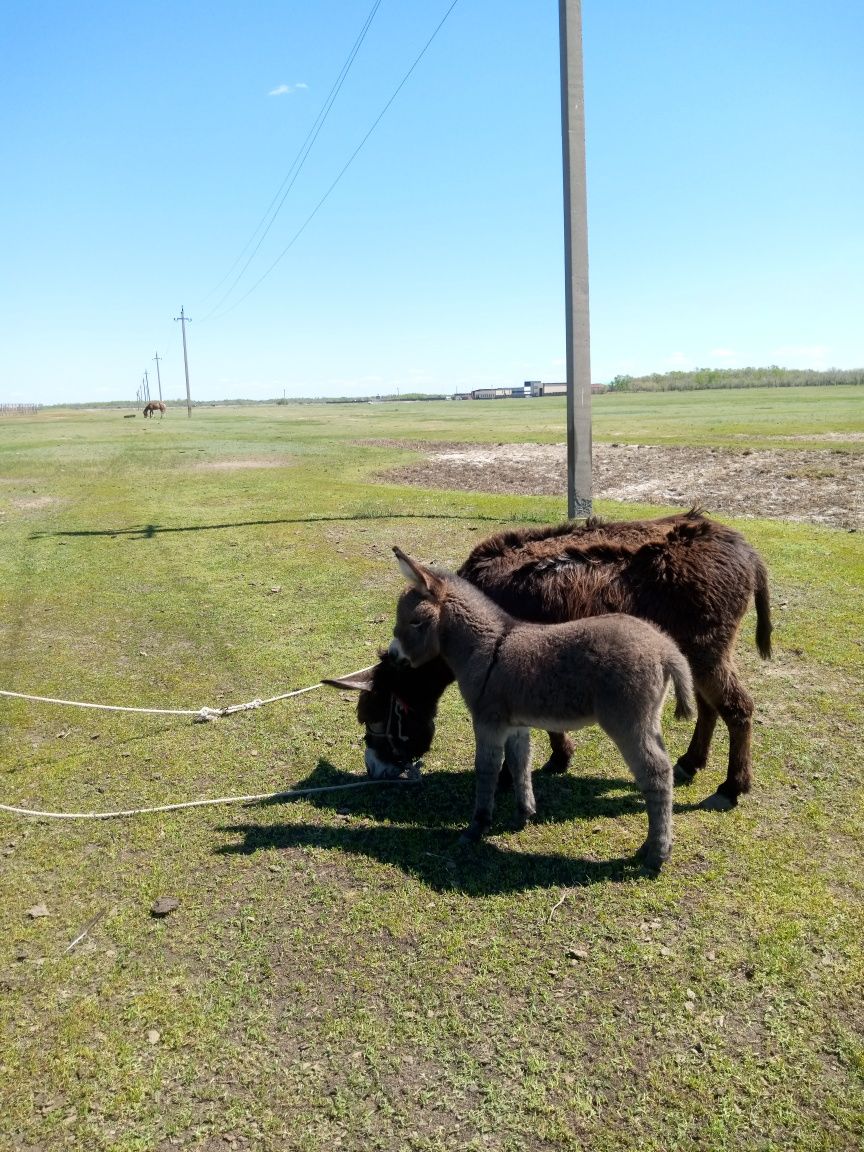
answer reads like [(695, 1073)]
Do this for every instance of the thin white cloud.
[(721, 353), (803, 356), (678, 360), (287, 89)]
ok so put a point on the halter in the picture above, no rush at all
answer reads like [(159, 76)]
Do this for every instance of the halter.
[(395, 717)]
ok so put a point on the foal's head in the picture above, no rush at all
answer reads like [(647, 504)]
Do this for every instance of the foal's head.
[(418, 614)]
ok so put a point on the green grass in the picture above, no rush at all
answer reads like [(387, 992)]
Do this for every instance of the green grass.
[(338, 972)]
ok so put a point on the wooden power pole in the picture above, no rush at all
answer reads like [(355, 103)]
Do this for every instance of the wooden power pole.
[(157, 358), (184, 320), (575, 261)]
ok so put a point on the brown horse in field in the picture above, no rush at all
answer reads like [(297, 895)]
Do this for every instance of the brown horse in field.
[(154, 406)]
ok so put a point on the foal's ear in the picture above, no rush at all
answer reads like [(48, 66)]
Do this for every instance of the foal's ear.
[(426, 582)]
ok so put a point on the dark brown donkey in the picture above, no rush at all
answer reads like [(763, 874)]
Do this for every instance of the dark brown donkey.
[(154, 406), (689, 575)]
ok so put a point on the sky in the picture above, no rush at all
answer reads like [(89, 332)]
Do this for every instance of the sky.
[(144, 148)]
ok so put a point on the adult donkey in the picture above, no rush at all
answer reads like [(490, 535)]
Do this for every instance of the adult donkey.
[(687, 574), (610, 670), (154, 406)]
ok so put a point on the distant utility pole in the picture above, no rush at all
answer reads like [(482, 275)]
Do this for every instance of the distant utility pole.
[(184, 320), (157, 358), (575, 261), (146, 385)]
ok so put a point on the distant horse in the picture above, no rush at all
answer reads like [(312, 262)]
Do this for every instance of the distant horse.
[(154, 406)]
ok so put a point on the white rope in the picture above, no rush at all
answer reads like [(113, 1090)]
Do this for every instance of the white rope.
[(201, 714), (411, 779)]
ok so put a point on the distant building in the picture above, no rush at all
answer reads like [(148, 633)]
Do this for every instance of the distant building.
[(538, 388), (497, 393), (529, 388)]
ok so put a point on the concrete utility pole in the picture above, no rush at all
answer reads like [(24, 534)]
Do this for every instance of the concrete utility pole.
[(146, 385), (157, 358), (184, 320), (575, 261)]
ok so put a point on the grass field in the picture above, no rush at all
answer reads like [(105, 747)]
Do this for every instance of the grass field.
[(338, 973)]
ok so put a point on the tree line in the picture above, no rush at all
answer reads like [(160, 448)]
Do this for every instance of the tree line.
[(700, 378)]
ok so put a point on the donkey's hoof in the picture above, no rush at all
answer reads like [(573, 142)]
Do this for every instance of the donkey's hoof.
[(717, 802), (682, 774), (653, 858), (523, 819), (556, 765)]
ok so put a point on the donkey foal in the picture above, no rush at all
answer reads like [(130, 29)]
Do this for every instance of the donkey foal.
[(609, 670)]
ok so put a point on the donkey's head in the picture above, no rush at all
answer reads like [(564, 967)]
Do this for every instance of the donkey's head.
[(418, 613), (397, 706)]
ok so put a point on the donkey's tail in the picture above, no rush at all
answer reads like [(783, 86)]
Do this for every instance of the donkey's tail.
[(675, 665), (763, 611)]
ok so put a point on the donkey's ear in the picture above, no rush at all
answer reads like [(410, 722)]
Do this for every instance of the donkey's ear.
[(426, 582), (361, 681)]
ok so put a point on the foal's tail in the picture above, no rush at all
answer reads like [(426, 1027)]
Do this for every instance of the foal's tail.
[(675, 665)]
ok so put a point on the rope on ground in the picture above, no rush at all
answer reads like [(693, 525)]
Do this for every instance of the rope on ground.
[(201, 715), (412, 778)]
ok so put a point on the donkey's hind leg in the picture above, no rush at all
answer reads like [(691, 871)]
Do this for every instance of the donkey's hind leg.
[(560, 753), (517, 756), (647, 758), (696, 756)]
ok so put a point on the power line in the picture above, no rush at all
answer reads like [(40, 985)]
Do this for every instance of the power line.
[(296, 166), (348, 164)]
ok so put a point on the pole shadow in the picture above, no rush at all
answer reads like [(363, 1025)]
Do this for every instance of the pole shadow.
[(148, 531)]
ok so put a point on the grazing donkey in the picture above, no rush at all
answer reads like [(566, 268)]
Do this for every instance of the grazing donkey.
[(513, 676), (689, 575)]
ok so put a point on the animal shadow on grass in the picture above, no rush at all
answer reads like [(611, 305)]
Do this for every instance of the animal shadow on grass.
[(415, 828)]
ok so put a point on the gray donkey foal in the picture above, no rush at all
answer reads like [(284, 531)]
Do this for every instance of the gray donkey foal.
[(610, 670)]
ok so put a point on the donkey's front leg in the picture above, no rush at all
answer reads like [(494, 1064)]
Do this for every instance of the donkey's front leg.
[(517, 754), (488, 757)]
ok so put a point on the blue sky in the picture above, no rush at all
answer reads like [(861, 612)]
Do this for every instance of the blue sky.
[(141, 144)]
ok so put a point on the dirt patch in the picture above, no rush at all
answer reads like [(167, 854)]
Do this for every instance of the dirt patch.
[(812, 486), (32, 503)]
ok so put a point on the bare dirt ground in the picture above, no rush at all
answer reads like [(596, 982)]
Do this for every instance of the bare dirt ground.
[(820, 487)]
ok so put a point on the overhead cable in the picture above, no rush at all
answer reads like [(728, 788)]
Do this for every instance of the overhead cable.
[(295, 169), (344, 169)]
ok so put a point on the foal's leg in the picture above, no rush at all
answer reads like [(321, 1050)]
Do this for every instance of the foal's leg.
[(517, 755), (727, 694), (696, 756), (488, 758), (641, 744)]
